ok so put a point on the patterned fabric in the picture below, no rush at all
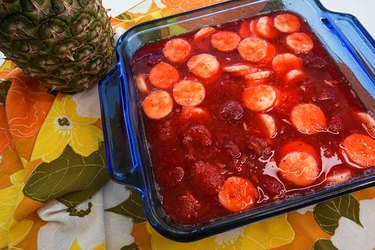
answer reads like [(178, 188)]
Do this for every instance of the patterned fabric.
[(55, 191)]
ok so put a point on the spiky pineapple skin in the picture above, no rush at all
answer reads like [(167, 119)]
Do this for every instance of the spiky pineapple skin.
[(66, 44)]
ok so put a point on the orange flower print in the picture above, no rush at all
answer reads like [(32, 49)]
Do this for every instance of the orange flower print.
[(5, 137), (27, 105), (180, 6)]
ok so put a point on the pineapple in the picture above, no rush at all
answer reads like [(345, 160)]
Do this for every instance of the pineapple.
[(66, 44)]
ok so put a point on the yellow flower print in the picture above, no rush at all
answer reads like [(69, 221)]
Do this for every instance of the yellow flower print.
[(268, 234), (11, 231), (76, 246), (64, 126), (6, 65)]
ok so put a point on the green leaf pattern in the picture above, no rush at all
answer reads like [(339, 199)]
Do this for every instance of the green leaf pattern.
[(71, 178), (323, 244), (132, 207), (4, 87), (123, 16), (328, 214), (130, 247)]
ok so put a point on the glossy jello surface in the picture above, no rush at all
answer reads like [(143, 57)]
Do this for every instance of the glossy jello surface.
[(247, 113)]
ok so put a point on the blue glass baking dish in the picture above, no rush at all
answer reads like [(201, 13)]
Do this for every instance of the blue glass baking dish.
[(128, 157)]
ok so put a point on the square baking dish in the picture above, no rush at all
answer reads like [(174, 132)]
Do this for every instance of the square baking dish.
[(128, 157)]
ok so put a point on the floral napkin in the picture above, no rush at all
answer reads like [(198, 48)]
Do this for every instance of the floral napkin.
[(55, 191)]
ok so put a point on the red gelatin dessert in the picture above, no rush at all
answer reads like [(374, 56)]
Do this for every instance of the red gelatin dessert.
[(247, 113)]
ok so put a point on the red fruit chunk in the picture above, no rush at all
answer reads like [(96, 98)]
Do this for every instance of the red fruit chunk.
[(336, 123), (188, 208), (287, 100), (252, 27), (259, 146), (171, 177), (313, 61), (271, 185), (245, 29), (206, 177), (231, 110), (232, 149), (338, 175), (193, 114), (167, 131), (197, 134)]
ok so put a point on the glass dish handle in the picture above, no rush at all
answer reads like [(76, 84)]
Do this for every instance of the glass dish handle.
[(356, 38), (118, 148)]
